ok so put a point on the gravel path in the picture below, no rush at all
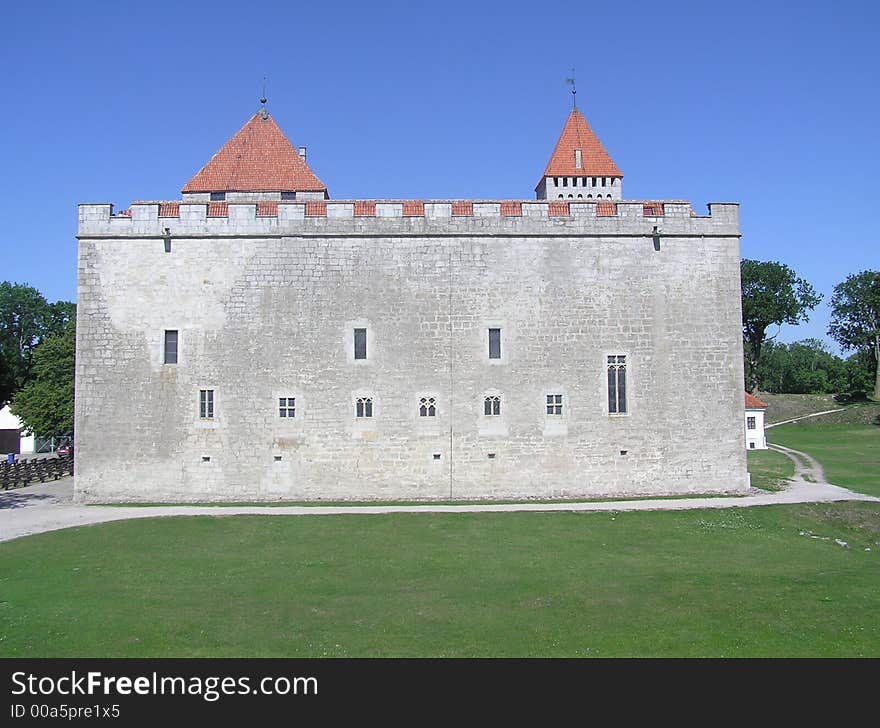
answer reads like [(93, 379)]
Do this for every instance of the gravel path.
[(50, 506)]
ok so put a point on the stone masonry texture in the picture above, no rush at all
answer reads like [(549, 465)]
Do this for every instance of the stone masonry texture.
[(266, 308)]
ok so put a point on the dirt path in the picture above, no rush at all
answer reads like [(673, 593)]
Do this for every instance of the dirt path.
[(802, 417), (50, 506)]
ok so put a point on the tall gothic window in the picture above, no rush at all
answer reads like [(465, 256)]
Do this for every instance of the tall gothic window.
[(427, 407), (492, 405), (617, 385)]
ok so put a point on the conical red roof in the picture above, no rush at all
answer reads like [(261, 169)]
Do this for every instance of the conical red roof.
[(595, 162), (258, 158)]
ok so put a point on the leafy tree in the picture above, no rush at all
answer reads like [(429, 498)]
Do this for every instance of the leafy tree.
[(771, 295), (803, 367), (26, 318), (855, 317), (45, 404)]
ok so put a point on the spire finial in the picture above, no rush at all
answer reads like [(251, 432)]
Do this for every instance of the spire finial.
[(263, 113), (570, 82)]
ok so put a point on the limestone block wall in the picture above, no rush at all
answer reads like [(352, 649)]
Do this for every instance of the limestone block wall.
[(266, 296)]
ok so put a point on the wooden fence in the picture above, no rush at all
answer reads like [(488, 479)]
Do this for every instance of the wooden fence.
[(25, 472)]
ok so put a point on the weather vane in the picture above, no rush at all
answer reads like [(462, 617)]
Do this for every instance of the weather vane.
[(263, 113), (570, 82)]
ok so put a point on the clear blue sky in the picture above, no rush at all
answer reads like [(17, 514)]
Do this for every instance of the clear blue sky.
[(771, 104)]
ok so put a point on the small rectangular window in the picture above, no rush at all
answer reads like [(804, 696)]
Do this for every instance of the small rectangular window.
[(170, 347), (286, 406), (360, 343), (750, 423), (604, 181), (492, 406), (218, 196), (364, 407), (554, 404), (494, 343), (427, 407), (288, 195), (617, 385), (206, 404)]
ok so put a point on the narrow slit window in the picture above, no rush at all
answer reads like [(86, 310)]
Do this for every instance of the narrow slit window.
[(492, 406), (617, 385), (364, 407), (170, 356), (577, 159), (287, 406), (427, 407), (554, 404), (494, 343), (360, 343), (206, 404)]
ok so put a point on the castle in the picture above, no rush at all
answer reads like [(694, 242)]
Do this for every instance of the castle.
[(257, 340)]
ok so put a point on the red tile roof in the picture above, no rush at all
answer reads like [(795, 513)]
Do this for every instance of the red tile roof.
[(606, 209), (169, 209), (258, 158), (576, 134), (413, 208), (462, 208), (511, 209), (365, 208), (557, 209), (316, 209), (267, 209), (753, 402), (218, 209)]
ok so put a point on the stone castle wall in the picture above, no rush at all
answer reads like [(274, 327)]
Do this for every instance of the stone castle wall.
[(266, 296)]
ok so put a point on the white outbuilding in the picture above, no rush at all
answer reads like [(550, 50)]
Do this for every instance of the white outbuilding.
[(14, 436), (755, 437)]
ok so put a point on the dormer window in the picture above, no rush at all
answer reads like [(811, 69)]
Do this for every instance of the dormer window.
[(218, 197), (577, 158)]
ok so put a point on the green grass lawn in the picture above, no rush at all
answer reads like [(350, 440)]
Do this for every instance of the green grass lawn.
[(737, 582), (769, 469), (850, 454)]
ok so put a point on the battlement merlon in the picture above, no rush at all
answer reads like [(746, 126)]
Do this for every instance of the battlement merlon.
[(626, 218)]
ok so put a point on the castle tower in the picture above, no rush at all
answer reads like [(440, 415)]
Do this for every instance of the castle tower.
[(257, 164), (579, 167)]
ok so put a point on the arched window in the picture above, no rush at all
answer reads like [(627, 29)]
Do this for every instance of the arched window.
[(427, 407), (589, 197), (561, 197), (580, 196), (492, 405)]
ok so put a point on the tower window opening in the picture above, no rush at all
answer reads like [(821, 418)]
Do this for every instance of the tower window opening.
[(604, 180), (577, 158)]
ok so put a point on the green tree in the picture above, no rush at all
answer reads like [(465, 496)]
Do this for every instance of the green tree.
[(771, 295), (45, 404), (26, 318), (855, 317)]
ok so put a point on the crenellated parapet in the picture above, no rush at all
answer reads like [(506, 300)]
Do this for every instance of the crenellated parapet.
[(389, 217)]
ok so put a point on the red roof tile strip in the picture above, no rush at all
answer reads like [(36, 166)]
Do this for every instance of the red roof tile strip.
[(218, 209), (316, 209), (365, 209), (577, 134), (606, 209), (652, 209), (124, 213), (413, 208), (169, 209), (511, 209), (258, 158), (557, 209), (463, 208), (267, 209), (753, 402)]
